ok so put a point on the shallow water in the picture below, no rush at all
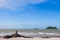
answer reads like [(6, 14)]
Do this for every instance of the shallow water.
[(30, 32)]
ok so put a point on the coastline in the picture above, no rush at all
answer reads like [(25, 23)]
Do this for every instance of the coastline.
[(32, 34), (31, 38)]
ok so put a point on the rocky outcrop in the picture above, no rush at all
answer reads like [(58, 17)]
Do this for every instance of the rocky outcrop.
[(7, 36), (15, 35)]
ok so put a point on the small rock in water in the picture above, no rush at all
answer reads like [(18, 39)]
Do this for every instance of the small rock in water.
[(46, 37)]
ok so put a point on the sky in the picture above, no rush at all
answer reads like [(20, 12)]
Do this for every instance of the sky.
[(27, 14)]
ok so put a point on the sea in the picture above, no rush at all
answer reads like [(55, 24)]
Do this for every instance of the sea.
[(30, 32)]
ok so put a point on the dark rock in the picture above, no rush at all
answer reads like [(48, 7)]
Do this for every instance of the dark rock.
[(7, 37), (27, 37), (15, 35), (46, 37)]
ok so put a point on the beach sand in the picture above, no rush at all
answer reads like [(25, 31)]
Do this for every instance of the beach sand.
[(31, 39)]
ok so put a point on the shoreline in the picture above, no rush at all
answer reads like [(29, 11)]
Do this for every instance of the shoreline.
[(40, 34), (20, 38)]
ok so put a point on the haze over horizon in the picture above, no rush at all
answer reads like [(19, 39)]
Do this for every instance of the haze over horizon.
[(27, 14)]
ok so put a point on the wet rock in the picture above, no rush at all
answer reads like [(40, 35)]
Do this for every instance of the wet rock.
[(7, 37), (15, 35), (27, 37), (46, 37)]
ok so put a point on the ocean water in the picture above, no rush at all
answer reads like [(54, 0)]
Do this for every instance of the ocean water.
[(30, 32)]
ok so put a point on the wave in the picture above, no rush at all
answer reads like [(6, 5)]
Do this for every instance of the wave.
[(32, 34)]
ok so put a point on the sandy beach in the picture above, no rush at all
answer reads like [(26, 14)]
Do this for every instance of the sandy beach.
[(31, 39)]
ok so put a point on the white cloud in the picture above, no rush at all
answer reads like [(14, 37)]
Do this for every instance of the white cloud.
[(13, 4)]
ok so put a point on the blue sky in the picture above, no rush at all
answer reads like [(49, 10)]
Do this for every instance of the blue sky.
[(26, 14)]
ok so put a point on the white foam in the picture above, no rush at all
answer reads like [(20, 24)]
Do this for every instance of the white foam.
[(40, 33)]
